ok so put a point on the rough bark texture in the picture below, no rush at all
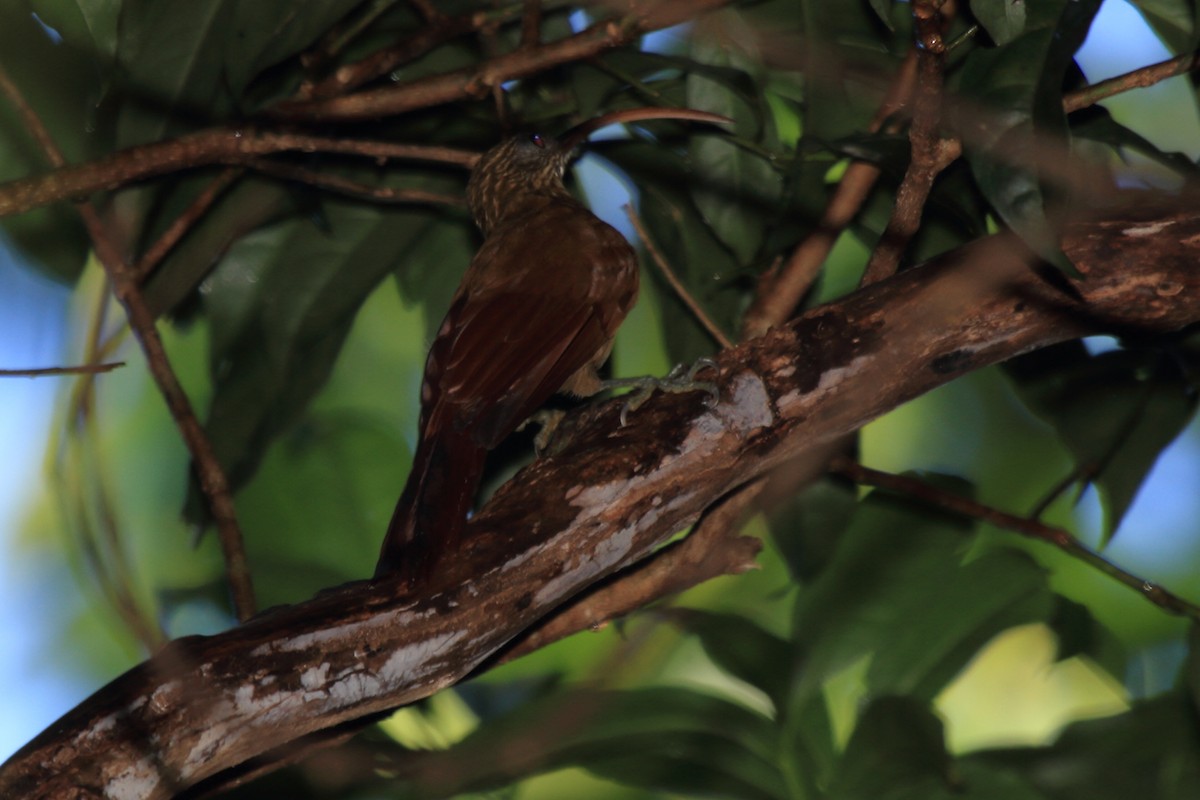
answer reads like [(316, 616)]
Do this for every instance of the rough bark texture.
[(207, 705)]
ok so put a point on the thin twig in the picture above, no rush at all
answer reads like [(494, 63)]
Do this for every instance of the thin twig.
[(83, 393), (1062, 539), (427, 10), (116, 588), (225, 145), (350, 188), (531, 24), (110, 565), (80, 369), (1136, 79), (211, 476), (351, 76), (1056, 491), (780, 293), (930, 153), (179, 228), (677, 286), (476, 82), (336, 38)]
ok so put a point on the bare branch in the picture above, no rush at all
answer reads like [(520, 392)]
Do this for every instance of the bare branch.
[(81, 369), (121, 276), (1135, 79), (226, 145), (930, 153), (1058, 537), (475, 83), (350, 188), (677, 286), (604, 502), (183, 223), (780, 293)]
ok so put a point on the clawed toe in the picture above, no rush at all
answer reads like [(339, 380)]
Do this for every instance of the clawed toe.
[(682, 378)]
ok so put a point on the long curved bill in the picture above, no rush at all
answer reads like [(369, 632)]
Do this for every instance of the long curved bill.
[(575, 136)]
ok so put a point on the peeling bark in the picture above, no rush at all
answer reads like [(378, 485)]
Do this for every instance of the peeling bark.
[(206, 705)]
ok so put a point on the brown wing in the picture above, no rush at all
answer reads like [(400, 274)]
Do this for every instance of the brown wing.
[(517, 331)]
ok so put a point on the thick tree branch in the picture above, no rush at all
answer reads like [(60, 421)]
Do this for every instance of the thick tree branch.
[(207, 705)]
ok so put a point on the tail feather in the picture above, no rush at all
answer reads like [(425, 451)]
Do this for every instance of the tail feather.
[(430, 516)]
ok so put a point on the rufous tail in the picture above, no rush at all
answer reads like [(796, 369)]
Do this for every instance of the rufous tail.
[(428, 522)]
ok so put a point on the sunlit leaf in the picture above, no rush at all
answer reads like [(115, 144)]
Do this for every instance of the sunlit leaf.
[(899, 590)]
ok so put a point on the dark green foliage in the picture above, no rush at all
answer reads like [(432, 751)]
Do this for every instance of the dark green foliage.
[(1114, 412), (900, 591), (317, 310)]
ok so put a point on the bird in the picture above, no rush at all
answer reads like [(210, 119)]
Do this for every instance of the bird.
[(535, 314)]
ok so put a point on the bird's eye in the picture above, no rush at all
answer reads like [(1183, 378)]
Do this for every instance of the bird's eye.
[(537, 139)]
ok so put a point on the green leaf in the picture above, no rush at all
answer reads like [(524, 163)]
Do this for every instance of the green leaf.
[(735, 185), (809, 526), (1114, 412), (1177, 22), (316, 511), (1019, 85), (280, 305), (898, 589), (247, 206), (189, 62), (51, 238), (743, 649), (983, 597), (1153, 750), (266, 32), (665, 739), (897, 750), (1096, 124), (897, 753), (833, 105), (90, 26), (883, 9), (1080, 633), (1004, 20), (171, 54)]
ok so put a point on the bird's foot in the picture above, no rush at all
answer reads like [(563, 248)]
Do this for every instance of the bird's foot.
[(547, 420), (679, 380)]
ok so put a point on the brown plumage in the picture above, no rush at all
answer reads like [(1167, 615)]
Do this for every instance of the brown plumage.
[(535, 314)]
